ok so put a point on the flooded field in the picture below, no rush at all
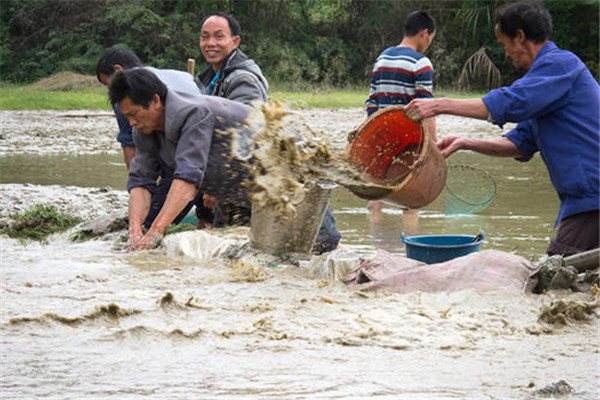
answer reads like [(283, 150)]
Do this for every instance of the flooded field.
[(89, 320)]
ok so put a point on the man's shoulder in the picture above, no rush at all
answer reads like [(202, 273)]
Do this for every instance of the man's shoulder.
[(180, 81), (403, 51), (408, 57), (240, 63)]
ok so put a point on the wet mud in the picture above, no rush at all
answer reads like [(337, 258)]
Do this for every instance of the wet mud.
[(204, 317)]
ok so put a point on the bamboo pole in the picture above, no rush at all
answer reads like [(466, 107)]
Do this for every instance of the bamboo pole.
[(584, 261), (191, 65)]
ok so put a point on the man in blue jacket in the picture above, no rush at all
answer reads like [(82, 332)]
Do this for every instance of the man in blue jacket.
[(557, 107)]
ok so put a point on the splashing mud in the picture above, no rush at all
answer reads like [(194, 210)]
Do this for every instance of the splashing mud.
[(288, 157)]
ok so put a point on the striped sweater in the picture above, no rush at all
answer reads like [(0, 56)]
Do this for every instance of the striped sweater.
[(400, 74)]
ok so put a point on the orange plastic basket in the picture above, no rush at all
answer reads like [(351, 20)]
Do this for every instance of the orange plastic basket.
[(387, 136), (398, 154)]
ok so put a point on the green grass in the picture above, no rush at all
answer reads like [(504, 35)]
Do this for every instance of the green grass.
[(38, 222), (22, 98), (19, 98), (328, 99)]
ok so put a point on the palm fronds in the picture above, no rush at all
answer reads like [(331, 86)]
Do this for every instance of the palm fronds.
[(479, 72)]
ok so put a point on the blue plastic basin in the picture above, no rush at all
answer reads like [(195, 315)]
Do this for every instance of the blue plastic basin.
[(433, 249)]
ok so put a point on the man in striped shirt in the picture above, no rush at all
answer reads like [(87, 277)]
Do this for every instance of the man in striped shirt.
[(402, 73)]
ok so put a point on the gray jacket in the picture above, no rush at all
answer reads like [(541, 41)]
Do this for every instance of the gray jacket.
[(194, 147), (240, 79)]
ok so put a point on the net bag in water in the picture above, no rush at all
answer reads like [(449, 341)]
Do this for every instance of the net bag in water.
[(468, 190), (398, 154)]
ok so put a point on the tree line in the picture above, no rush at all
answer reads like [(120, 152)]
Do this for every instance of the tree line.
[(297, 43)]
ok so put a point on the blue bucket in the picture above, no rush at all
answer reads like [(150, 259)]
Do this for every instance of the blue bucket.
[(433, 249)]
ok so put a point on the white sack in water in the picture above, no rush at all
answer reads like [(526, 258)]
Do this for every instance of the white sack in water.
[(485, 270), (332, 265), (198, 244)]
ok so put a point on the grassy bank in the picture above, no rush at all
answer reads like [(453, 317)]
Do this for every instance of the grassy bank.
[(94, 98), (18, 98)]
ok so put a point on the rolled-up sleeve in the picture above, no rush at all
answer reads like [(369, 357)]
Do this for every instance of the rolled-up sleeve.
[(542, 90), (523, 136), (193, 147)]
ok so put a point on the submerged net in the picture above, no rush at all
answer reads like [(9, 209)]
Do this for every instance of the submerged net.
[(468, 190)]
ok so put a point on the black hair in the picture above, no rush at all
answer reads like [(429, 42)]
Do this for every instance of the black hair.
[(139, 84), (116, 55), (234, 24), (531, 17), (417, 21)]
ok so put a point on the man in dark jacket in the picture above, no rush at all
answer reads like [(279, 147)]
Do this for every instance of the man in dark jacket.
[(231, 74)]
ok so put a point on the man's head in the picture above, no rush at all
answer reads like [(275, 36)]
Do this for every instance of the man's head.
[(522, 28), (220, 36), (115, 59), (141, 97), (420, 27)]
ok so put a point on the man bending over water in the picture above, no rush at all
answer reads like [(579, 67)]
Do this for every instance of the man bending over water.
[(175, 138), (180, 136)]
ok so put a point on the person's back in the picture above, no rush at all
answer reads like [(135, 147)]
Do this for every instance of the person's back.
[(179, 81), (402, 73)]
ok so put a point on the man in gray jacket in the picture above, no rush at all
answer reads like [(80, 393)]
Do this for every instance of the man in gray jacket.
[(183, 138), (176, 137), (231, 74)]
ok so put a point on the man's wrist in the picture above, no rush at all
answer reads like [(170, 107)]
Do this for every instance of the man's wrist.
[(157, 228), (135, 228)]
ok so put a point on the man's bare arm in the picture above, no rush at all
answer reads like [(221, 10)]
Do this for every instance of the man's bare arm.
[(418, 109), (497, 147)]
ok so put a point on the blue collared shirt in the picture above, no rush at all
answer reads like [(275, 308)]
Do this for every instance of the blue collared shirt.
[(557, 107)]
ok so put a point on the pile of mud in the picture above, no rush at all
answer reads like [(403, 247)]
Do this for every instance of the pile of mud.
[(65, 81)]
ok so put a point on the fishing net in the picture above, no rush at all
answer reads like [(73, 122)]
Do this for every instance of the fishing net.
[(468, 190)]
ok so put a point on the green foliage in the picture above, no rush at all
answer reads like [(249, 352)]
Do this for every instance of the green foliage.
[(38, 222), (179, 228), (295, 42)]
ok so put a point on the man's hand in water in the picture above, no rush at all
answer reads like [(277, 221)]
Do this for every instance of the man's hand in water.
[(135, 236), (139, 241), (149, 241)]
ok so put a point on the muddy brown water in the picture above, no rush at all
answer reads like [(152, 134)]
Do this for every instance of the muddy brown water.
[(89, 320)]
